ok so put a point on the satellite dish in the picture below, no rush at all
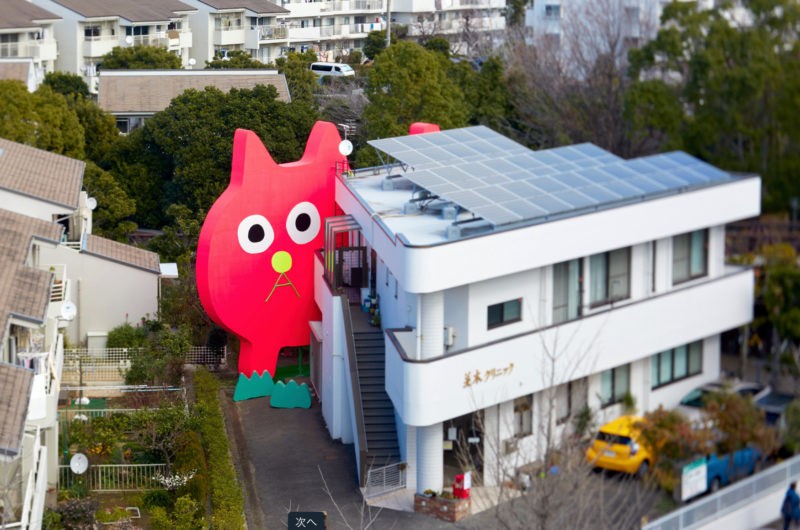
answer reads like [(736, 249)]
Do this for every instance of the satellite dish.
[(91, 203), (68, 310), (78, 464), (128, 40), (345, 147), (192, 61)]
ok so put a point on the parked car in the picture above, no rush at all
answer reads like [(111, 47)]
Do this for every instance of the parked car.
[(721, 470), (693, 403), (616, 447)]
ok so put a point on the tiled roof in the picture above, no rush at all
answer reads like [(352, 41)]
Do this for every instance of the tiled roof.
[(24, 290), (256, 6), (15, 394), (39, 174), (122, 253), (134, 11), (149, 91), (16, 69), (23, 14)]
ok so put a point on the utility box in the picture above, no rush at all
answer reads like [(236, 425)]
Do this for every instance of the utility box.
[(462, 485)]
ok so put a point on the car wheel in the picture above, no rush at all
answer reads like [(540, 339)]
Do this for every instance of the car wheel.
[(644, 469), (714, 485)]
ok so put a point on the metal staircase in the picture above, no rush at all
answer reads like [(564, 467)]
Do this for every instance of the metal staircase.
[(381, 434)]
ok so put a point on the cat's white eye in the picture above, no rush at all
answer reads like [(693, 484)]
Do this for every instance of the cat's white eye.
[(303, 223), (255, 234)]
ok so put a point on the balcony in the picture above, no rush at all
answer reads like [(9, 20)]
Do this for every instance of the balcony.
[(47, 367), (39, 50), (259, 34), (431, 391), (96, 47), (229, 36)]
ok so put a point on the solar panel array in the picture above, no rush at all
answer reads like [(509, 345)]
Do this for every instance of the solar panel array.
[(504, 182)]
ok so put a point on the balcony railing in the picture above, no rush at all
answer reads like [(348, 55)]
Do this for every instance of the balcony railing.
[(38, 49), (116, 477), (271, 32)]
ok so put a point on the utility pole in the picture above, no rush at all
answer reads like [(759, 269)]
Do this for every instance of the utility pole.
[(388, 22)]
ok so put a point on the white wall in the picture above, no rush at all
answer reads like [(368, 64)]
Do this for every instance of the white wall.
[(30, 206), (66, 33), (107, 293)]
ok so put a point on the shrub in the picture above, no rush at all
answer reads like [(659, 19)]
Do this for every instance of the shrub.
[(157, 499), (189, 456), (77, 514), (111, 515), (51, 520), (226, 496), (126, 336)]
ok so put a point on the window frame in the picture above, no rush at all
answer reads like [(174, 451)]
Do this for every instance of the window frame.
[(567, 265), (503, 321), (607, 260), (657, 359), (614, 398), (690, 256), (523, 416)]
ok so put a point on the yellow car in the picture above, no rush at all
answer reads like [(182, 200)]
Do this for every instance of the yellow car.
[(616, 447)]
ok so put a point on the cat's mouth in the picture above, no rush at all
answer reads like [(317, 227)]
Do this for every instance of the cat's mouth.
[(282, 281)]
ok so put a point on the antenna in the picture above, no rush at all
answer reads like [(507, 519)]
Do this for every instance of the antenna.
[(91, 203)]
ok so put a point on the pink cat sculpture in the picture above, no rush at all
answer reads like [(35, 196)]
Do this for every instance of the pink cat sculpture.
[(255, 255)]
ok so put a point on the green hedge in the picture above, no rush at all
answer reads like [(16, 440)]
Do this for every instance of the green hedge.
[(227, 502)]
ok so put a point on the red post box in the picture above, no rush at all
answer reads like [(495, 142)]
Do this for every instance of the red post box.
[(462, 485)]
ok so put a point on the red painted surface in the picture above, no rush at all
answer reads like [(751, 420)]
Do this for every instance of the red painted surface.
[(242, 285)]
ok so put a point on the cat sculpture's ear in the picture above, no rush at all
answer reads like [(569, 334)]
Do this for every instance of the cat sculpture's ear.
[(250, 158), (323, 143)]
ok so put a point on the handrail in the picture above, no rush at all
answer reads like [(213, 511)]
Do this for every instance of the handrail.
[(355, 388)]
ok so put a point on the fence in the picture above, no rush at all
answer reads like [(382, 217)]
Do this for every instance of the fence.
[(385, 479), (109, 365), (736, 496), (67, 415), (114, 477)]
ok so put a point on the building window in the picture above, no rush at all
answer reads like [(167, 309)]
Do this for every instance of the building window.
[(609, 276), (676, 364), (552, 12), (567, 280), (614, 384), (570, 399), (523, 412), (689, 256), (505, 313), (91, 32)]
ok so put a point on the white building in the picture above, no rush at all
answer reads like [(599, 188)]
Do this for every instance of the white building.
[(514, 287), (89, 29), (109, 283), (334, 28), (26, 32)]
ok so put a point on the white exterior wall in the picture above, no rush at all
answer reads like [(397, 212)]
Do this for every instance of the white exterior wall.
[(31, 207), (107, 293)]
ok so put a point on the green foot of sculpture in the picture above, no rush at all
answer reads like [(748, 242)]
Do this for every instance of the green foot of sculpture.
[(290, 396), (253, 387)]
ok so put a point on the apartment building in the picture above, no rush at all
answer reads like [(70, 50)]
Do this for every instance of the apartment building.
[(89, 29), (334, 28), (26, 32), (514, 288)]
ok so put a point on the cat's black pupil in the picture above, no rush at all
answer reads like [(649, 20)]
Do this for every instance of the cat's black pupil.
[(256, 233), (302, 222)]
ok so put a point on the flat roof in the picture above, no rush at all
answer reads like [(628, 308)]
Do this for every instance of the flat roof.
[(444, 186)]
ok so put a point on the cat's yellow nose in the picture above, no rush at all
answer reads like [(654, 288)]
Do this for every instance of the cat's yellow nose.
[(281, 262)]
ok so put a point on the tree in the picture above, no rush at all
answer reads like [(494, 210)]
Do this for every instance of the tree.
[(114, 206), (66, 84), (236, 59), (182, 154), (100, 129), (374, 44), (740, 423), (438, 44), (42, 119), (407, 84), (736, 85), (159, 430), (485, 91), (301, 80), (140, 58)]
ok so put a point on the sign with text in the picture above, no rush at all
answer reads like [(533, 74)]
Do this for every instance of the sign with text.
[(693, 479), (315, 520)]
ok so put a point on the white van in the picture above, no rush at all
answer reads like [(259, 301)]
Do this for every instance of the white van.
[(334, 69)]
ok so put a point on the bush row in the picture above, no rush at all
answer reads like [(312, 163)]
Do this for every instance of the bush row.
[(227, 502)]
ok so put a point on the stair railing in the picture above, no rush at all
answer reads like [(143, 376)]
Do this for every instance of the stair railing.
[(355, 390)]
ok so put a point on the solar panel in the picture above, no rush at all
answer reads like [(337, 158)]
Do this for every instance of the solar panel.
[(504, 182)]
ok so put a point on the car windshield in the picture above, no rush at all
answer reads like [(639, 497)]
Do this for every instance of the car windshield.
[(695, 398)]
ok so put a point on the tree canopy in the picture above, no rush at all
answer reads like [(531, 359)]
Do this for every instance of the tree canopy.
[(236, 59), (140, 58), (66, 84), (182, 155)]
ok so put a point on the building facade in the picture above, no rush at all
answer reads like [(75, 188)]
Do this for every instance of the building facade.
[(26, 32), (516, 288)]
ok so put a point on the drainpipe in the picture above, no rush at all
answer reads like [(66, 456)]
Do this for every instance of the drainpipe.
[(430, 456)]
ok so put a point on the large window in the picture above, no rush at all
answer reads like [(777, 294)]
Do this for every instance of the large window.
[(610, 276), (505, 313), (570, 399), (676, 364), (567, 279), (689, 256), (523, 413), (614, 384)]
